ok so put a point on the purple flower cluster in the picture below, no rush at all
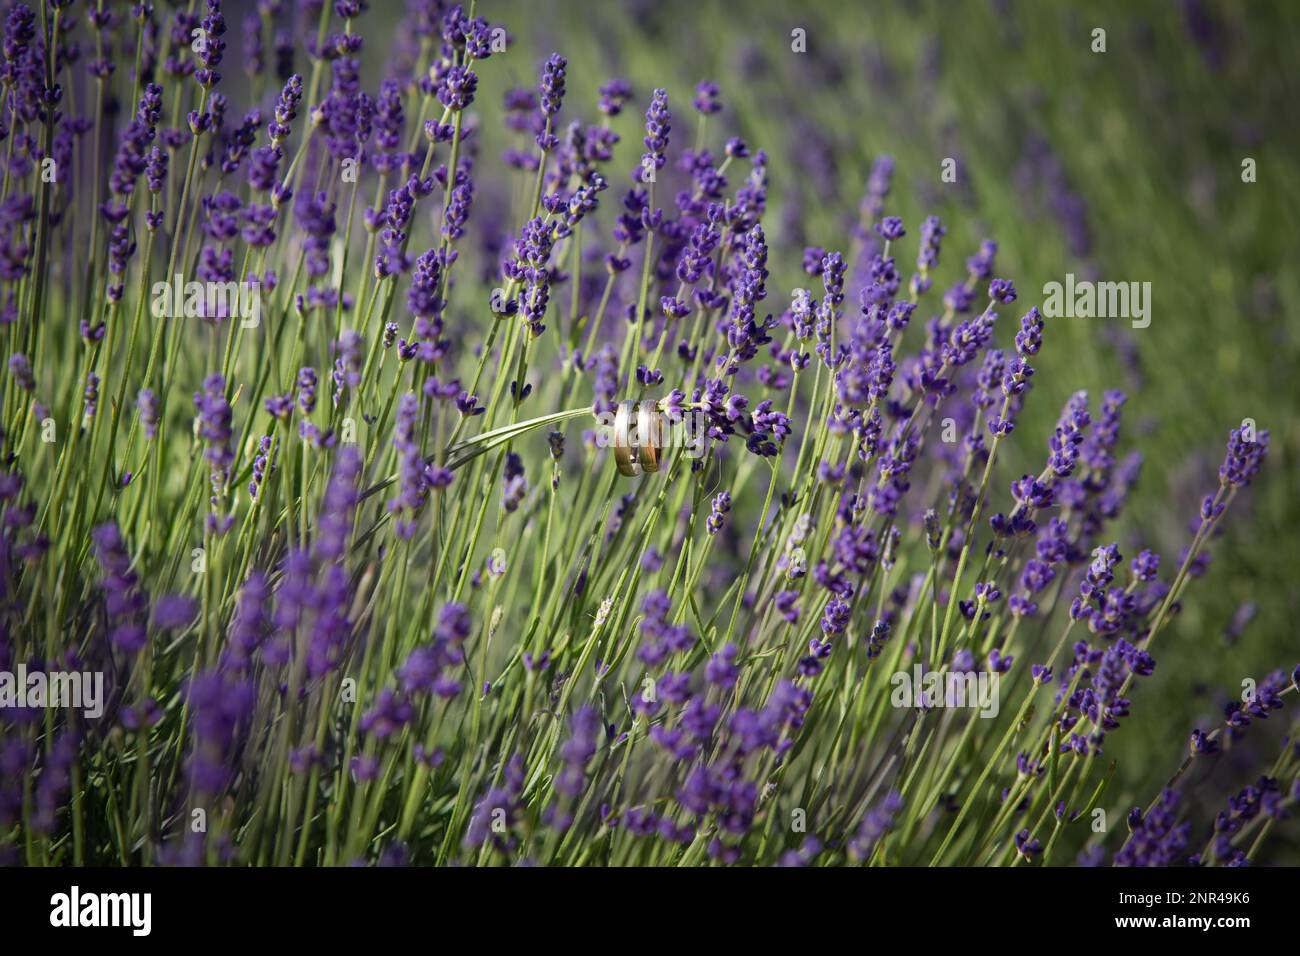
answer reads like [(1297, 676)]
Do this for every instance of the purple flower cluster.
[(432, 668), (1158, 837)]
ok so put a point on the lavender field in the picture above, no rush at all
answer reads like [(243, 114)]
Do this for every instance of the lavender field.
[(648, 434)]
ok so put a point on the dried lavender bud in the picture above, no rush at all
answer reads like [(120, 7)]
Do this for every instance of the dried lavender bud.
[(456, 91), (21, 369), (658, 124), (706, 98), (614, 95), (717, 514), (146, 404), (214, 418)]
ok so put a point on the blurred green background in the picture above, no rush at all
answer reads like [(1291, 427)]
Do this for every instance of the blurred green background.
[(1124, 165)]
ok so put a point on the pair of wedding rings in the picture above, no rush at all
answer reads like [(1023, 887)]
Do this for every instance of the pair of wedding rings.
[(638, 437)]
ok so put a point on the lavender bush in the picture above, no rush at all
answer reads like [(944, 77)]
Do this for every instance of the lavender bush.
[(308, 461)]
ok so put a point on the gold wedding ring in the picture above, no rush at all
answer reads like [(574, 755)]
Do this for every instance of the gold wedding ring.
[(623, 449), (649, 440)]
